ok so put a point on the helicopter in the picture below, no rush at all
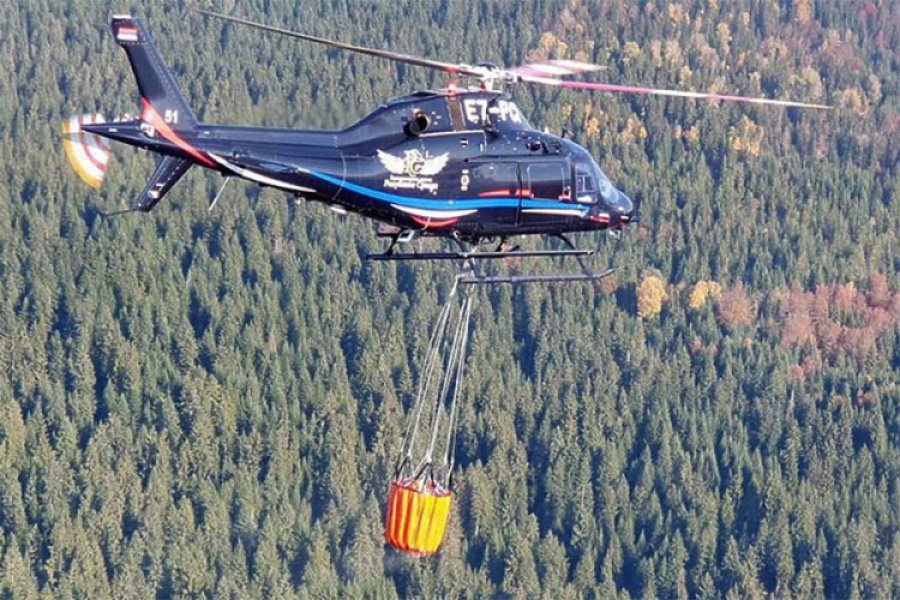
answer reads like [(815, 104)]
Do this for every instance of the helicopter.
[(461, 163)]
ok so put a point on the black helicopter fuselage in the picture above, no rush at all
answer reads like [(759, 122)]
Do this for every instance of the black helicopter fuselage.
[(455, 163), (458, 163)]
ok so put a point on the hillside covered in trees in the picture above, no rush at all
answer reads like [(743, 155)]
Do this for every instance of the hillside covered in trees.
[(209, 404)]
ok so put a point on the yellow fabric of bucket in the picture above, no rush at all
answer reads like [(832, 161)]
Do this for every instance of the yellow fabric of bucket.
[(417, 516)]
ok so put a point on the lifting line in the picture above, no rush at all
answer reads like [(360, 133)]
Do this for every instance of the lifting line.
[(447, 364)]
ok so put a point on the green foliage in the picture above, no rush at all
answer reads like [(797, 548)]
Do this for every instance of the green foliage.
[(209, 404)]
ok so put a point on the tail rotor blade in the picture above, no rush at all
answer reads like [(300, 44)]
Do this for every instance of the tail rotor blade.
[(88, 153)]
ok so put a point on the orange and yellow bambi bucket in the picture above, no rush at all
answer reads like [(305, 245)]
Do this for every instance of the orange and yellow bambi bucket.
[(418, 510)]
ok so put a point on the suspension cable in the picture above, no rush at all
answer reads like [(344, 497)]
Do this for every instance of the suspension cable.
[(437, 337), (450, 375), (452, 430)]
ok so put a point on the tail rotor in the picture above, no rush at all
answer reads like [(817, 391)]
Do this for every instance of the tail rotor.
[(88, 153)]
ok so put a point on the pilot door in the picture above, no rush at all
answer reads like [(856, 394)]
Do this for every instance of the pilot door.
[(545, 183)]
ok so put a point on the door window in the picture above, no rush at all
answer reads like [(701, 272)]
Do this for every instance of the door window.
[(495, 179), (548, 180)]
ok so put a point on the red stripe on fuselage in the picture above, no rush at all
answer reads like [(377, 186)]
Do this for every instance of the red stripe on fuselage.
[(506, 193), (151, 116)]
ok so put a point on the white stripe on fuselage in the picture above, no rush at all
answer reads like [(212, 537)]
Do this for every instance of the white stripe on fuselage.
[(259, 177), (435, 214), (569, 212)]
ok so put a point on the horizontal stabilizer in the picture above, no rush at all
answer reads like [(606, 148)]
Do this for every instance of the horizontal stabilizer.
[(88, 153), (168, 171)]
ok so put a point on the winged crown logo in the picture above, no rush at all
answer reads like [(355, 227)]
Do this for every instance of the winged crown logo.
[(413, 163)]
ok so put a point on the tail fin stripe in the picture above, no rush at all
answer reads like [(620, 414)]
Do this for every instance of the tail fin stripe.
[(127, 34), (152, 117)]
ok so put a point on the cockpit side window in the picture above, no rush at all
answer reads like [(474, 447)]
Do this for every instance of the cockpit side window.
[(585, 186)]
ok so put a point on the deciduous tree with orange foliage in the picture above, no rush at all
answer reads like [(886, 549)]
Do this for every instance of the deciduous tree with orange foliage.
[(735, 307)]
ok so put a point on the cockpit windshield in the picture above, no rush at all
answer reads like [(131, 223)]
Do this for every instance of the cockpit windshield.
[(607, 189), (591, 180)]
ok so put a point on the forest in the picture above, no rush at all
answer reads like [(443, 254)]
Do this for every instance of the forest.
[(209, 404)]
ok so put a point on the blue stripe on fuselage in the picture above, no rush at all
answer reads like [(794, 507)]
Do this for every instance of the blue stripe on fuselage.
[(438, 204)]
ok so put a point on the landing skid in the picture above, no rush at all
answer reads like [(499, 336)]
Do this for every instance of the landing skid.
[(491, 279), (471, 276)]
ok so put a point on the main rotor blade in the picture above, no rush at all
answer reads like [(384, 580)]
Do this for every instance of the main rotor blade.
[(455, 69), (631, 89), (554, 68)]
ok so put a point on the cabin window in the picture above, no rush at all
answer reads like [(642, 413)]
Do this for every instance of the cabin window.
[(548, 180), (499, 180)]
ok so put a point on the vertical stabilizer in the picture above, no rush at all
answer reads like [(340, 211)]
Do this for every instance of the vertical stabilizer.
[(160, 96)]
